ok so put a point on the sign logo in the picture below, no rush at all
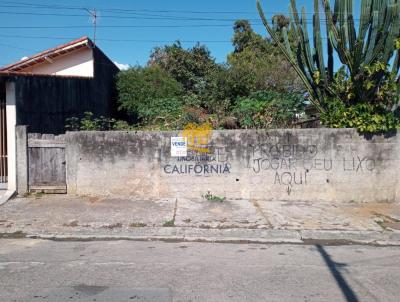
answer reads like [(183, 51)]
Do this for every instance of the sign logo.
[(198, 137), (178, 146)]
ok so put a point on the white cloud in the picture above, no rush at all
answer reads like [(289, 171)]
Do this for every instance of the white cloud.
[(122, 66)]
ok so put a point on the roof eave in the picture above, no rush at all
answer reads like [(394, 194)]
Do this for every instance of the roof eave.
[(49, 54)]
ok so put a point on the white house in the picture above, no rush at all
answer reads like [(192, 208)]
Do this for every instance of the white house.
[(42, 90)]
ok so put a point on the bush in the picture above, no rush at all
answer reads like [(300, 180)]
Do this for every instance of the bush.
[(368, 103), (366, 117), (193, 115), (142, 86), (90, 123), (163, 111), (268, 109)]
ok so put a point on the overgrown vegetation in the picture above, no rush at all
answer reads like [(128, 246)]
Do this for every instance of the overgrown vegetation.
[(378, 112), (268, 109), (91, 123), (268, 82), (144, 90), (364, 92), (256, 88)]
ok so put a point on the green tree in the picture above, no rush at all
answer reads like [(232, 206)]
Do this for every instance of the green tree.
[(200, 76), (244, 37), (257, 64), (140, 90), (194, 68)]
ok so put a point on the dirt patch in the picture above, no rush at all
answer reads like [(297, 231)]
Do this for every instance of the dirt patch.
[(368, 210), (93, 199)]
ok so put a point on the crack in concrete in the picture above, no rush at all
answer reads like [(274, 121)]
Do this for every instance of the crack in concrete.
[(175, 210), (259, 210)]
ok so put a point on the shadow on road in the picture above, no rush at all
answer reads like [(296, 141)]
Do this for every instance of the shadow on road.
[(341, 282)]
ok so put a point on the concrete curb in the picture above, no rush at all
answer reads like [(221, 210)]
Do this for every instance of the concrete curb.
[(179, 234), (363, 237)]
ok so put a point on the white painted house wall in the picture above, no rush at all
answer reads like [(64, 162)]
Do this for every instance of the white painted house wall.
[(77, 63)]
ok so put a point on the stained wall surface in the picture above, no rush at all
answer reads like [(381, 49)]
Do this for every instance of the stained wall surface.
[(302, 164)]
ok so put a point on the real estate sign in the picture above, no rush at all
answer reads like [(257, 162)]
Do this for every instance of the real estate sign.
[(178, 146)]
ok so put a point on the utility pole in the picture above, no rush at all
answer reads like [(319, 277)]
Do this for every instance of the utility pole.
[(94, 16)]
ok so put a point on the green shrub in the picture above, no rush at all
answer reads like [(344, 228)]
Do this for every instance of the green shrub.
[(376, 108), (90, 123), (268, 109), (141, 86), (366, 117), (160, 111), (192, 115)]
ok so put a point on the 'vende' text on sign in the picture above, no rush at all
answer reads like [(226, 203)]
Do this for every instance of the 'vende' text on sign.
[(178, 146)]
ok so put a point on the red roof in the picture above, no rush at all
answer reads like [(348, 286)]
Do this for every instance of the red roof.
[(48, 55)]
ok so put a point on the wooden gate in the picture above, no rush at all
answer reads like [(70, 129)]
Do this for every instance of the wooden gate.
[(47, 169), (3, 144)]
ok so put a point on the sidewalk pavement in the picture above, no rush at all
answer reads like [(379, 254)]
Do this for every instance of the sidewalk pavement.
[(5, 196), (63, 217)]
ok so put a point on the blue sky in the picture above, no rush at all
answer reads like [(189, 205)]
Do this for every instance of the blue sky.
[(127, 29)]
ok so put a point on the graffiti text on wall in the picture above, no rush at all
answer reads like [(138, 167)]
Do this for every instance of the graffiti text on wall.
[(292, 164)]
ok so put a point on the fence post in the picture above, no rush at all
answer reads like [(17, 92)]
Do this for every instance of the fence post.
[(21, 133)]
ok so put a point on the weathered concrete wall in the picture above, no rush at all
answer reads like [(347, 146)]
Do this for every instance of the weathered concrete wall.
[(310, 165)]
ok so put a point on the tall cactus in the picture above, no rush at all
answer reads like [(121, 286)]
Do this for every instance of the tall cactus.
[(375, 42)]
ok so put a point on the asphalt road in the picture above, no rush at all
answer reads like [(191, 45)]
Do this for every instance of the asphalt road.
[(36, 270)]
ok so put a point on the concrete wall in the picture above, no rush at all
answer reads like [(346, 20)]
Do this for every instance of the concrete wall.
[(77, 63), (309, 165)]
